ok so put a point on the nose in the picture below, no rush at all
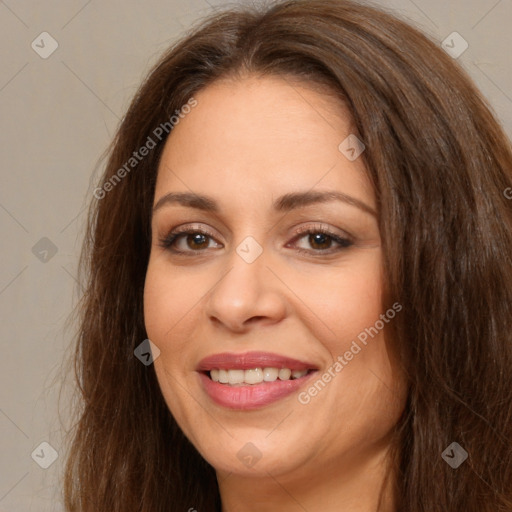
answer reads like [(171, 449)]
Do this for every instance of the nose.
[(248, 293)]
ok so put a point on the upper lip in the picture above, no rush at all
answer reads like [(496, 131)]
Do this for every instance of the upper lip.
[(248, 360)]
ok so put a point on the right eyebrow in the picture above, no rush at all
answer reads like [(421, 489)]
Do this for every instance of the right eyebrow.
[(188, 199)]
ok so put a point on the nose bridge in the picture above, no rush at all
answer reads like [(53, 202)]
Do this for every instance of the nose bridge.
[(247, 288), (245, 277)]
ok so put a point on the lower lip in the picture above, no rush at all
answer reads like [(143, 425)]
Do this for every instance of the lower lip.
[(251, 396)]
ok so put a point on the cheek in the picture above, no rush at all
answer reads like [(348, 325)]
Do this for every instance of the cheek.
[(350, 322), (345, 300), (336, 303), (168, 297)]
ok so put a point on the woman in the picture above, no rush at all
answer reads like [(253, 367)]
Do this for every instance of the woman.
[(308, 220)]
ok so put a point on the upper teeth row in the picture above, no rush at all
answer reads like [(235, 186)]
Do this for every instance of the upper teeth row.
[(255, 375)]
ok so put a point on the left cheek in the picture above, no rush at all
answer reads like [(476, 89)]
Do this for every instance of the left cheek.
[(347, 302)]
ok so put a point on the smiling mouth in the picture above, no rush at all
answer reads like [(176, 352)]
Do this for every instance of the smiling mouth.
[(253, 376), (252, 380)]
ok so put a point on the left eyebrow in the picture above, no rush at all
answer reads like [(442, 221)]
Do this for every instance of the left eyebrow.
[(295, 200), (284, 203)]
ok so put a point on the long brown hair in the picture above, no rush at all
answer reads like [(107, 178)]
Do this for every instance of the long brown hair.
[(439, 163)]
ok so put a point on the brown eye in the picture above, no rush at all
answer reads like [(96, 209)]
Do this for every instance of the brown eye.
[(187, 241), (320, 241), (197, 241)]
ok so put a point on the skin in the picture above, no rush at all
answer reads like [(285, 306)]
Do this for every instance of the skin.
[(247, 142)]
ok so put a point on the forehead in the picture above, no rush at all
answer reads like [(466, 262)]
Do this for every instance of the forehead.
[(261, 136)]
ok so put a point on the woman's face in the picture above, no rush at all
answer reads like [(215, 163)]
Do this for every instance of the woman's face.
[(268, 315)]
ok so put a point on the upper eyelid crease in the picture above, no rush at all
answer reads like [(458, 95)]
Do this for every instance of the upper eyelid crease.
[(284, 203), (343, 241)]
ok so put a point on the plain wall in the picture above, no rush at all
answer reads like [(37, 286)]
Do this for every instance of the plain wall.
[(58, 115)]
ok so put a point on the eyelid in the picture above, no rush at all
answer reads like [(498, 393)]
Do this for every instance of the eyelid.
[(195, 227), (166, 240), (323, 228), (342, 239)]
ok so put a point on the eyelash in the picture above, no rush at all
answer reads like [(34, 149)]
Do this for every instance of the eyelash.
[(343, 243)]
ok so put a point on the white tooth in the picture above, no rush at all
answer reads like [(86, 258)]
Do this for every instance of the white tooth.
[(284, 373), (270, 374), (236, 376), (253, 376)]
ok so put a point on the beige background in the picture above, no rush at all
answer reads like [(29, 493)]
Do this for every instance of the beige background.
[(57, 117)]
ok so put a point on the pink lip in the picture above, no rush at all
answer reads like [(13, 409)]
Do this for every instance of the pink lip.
[(251, 396), (248, 360)]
